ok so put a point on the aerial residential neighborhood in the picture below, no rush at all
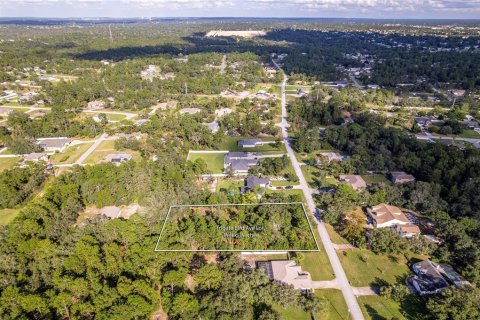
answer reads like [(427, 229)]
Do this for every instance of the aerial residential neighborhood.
[(297, 165)]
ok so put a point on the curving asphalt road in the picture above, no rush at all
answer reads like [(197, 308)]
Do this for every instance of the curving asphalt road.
[(341, 277)]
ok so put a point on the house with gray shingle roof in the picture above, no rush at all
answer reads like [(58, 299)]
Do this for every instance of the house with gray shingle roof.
[(239, 162), (252, 182)]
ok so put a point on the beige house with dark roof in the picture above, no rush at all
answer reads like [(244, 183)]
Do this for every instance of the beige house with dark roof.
[(355, 181), (384, 215)]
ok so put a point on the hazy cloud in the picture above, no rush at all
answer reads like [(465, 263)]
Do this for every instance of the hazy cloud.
[(319, 8)]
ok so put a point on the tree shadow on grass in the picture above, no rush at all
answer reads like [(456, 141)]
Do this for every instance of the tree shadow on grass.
[(373, 313)]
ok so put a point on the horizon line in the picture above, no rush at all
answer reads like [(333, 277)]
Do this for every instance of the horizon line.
[(232, 17)]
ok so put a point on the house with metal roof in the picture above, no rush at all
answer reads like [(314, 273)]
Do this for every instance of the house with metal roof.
[(249, 143)]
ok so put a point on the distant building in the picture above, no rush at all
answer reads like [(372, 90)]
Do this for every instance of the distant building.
[(239, 162), (423, 121), (288, 272), (249, 143), (119, 158), (223, 111), (189, 110), (355, 181), (54, 144), (27, 97), (332, 156), (35, 157), (407, 230), (5, 112), (401, 177), (431, 278), (8, 95), (252, 182), (384, 215), (95, 105), (212, 126)]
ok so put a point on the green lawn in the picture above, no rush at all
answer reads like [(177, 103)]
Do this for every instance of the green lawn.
[(229, 183), (115, 117), (378, 308), (375, 178), (230, 144), (282, 183), (317, 264), (291, 313), (314, 177), (71, 154), (7, 215), (465, 134), (214, 160), (108, 147), (8, 163), (335, 308), (334, 236), (364, 268)]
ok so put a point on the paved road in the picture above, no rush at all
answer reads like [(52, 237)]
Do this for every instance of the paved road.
[(356, 83), (92, 147), (341, 277), (425, 137)]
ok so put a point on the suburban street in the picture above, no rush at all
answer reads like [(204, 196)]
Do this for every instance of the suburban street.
[(341, 278), (92, 147)]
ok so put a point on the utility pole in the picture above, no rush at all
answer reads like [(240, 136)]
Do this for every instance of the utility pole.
[(186, 88), (110, 31)]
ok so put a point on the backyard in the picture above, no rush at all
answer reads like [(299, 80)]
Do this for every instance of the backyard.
[(214, 160), (71, 154)]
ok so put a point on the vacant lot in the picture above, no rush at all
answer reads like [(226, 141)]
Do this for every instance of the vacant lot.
[(214, 160), (71, 154), (237, 227), (365, 268), (376, 308)]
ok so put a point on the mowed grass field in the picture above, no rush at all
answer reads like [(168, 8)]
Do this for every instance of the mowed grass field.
[(335, 308), (377, 307), (7, 215), (71, 154), (214, 160), (364, 268), (8, 163), (104, 149)]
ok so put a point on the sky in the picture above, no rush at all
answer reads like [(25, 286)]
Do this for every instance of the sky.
[(383, 9)]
